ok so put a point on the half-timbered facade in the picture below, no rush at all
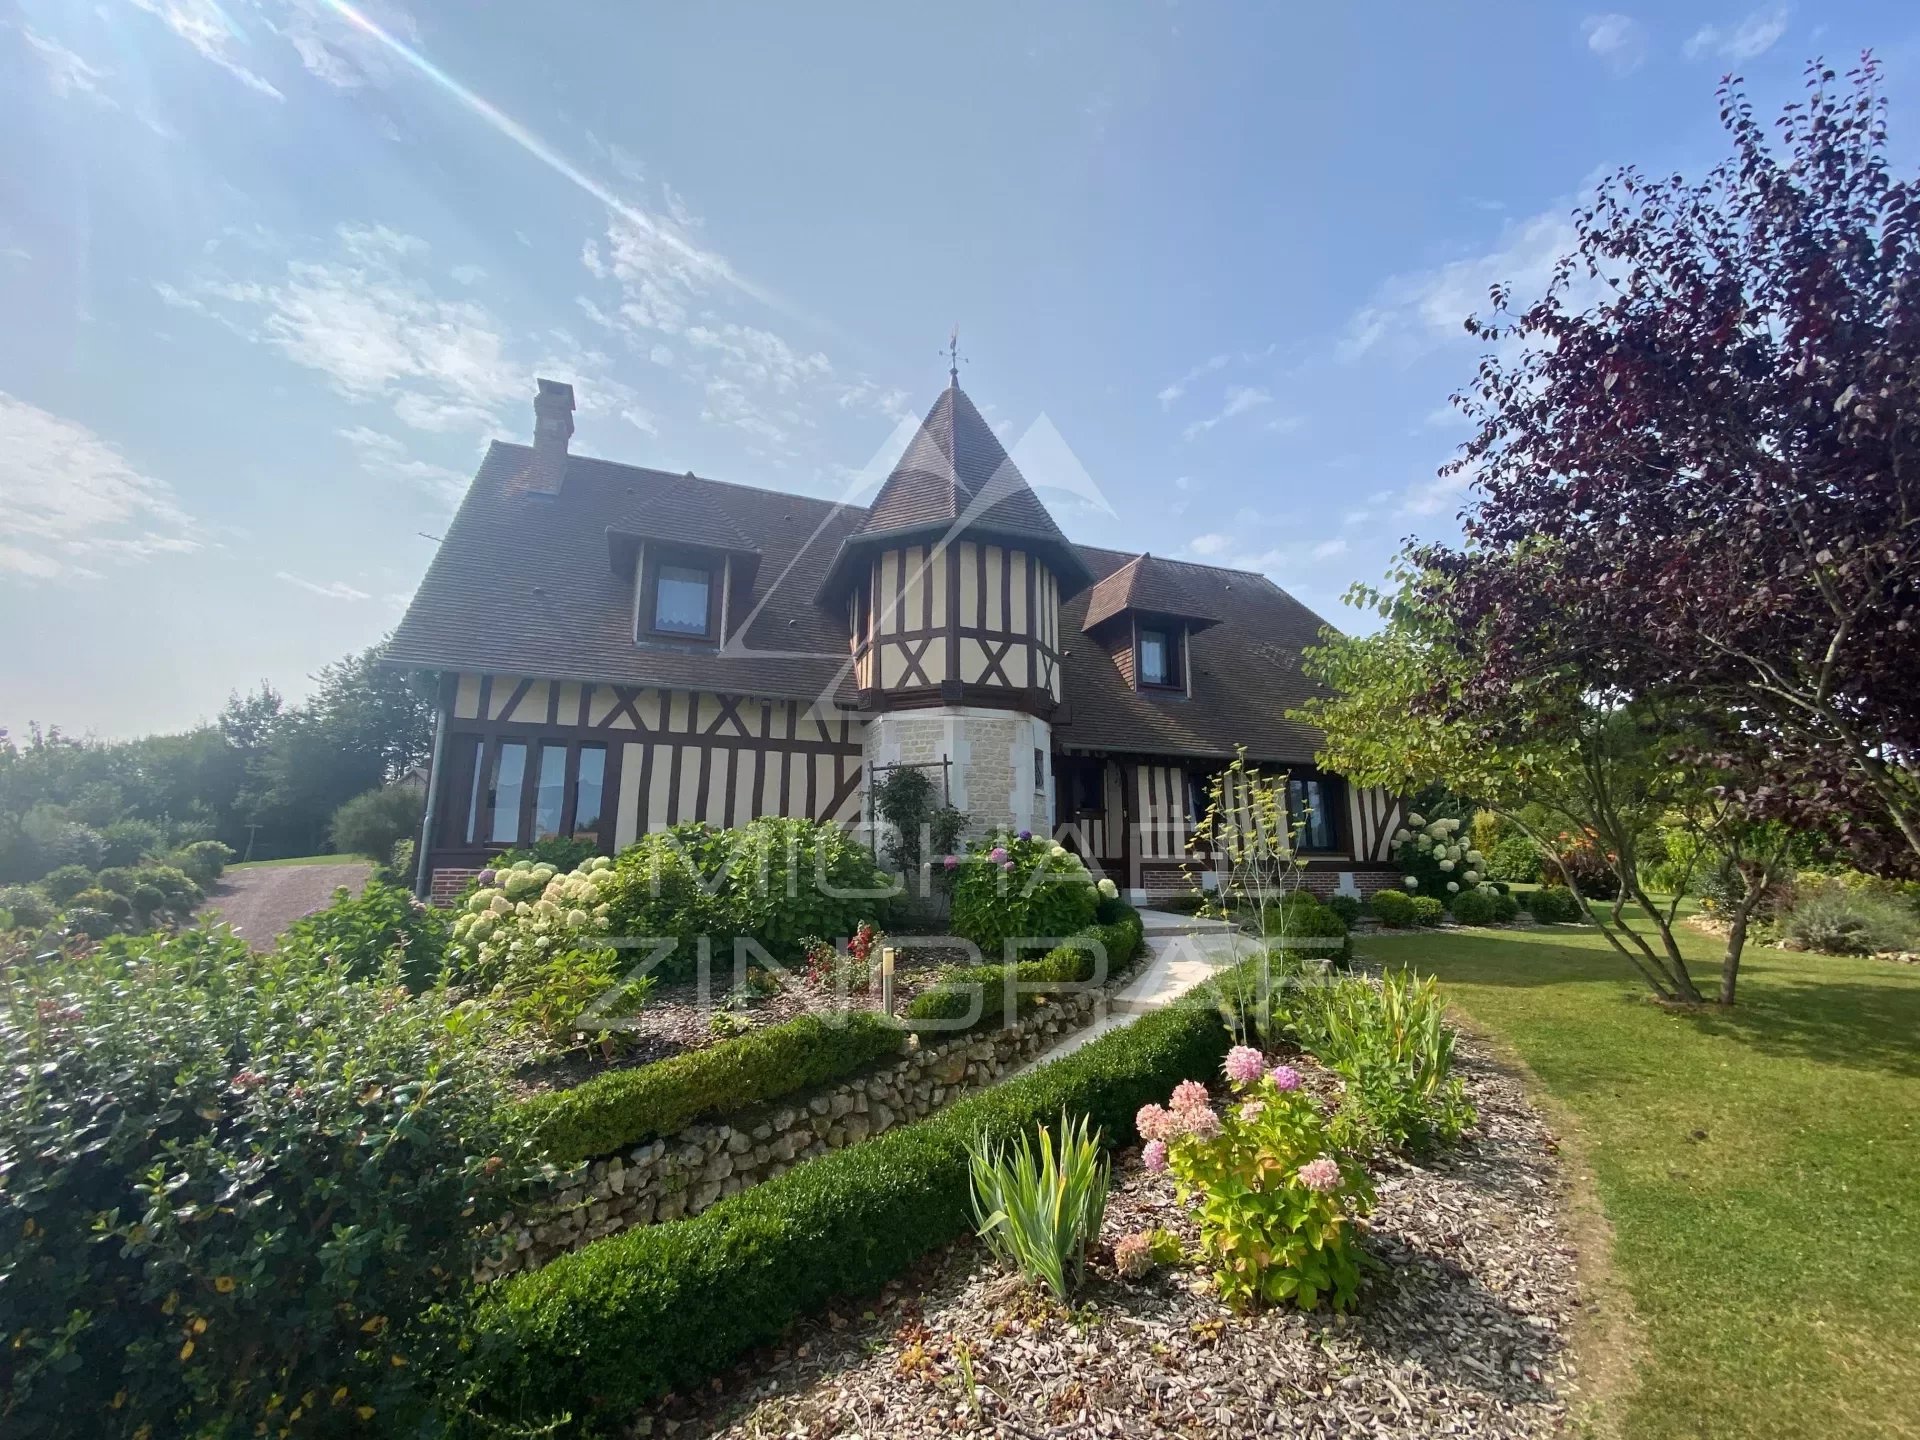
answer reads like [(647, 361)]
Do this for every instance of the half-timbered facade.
[(623, 649)]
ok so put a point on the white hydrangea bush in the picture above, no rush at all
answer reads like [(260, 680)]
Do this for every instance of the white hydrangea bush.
[(526, 913), (1437, 842)]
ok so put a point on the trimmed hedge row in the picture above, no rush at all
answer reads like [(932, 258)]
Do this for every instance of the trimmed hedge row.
[(992, 987), (622, 1108), (604, 1330)]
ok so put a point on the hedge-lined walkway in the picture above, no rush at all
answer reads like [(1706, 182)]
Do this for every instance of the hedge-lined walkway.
[(260, 901), (1464, 1334)]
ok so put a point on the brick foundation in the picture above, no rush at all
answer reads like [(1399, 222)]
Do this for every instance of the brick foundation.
[(447, 885)]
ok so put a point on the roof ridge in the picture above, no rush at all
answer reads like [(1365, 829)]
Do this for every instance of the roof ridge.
[(1131, 556), (688, 474)]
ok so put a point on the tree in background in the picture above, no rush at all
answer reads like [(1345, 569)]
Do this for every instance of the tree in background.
[(1706, 486), (372, 823)]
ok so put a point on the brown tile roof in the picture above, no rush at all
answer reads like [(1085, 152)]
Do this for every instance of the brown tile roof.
[(955, 478), (523, 585), (1148, 585)]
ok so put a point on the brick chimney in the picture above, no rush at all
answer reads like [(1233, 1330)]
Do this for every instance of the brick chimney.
[(552, 428)]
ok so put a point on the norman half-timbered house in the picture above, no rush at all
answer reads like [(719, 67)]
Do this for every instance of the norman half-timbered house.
[(622, 649)]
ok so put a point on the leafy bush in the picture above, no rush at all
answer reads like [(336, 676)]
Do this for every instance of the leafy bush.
[(29, 907), (1347, 907), (663, 890), (236, 1186), (1311, 929), (1584, 862), (792, 878), (1514, 860), (109, 902), (1437, 856), (128, 842), (1505, 907), (92, 923), (364, 934), (1837, 919), (1011, 889), (1392, 907), (147, 901), (1039, 1208), (66, 882), (618, 1109), (1427, 910), (374, 821), (662, 1307), (120, 879), (1553, 905), (1277, 1196), (204, 860), (988, 993), (1392, 1045), (1476, 906), (521, 916)]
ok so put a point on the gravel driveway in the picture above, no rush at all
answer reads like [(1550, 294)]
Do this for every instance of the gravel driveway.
[(260, 902)]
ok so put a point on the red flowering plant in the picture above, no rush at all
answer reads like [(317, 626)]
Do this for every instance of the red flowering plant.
[(1278, 1198), (830, 967)]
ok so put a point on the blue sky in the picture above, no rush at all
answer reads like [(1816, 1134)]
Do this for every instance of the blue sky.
[(268, 283)]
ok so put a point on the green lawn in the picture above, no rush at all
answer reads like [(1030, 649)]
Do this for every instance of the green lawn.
[(1760, 1169), (300, 860)]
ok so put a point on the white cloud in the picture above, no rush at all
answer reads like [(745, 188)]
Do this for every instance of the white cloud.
[(1238, 400), (1327, 549), (68, 73), (1619, 40), (468, 274), (1285, 424), (325, 589), (1413, 313), (205, 26), (381, 454), (1443, 494), (1356, 517), (1212, 543), (1754, 35), (1177, 388), (68, 497), (339, 51)]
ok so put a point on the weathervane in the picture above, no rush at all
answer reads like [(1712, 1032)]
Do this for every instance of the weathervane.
[(953, 356)]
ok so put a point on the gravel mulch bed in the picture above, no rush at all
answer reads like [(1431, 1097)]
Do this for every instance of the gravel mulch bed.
[(675, 1018), (1464, 1333)]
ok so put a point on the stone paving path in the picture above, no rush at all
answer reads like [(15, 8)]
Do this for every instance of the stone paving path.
[(261, 901), (1185, 951)]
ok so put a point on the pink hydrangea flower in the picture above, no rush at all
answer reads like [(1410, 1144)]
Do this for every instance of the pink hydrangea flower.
[(1199, 1122), (1154, 1156), (1253, 1109), (951, 861), (1007, 865), (1322, 1175), (1189, 1095), (1153, 1123), (1244, 1064), (1133, 1254), (997, 854), (1285, 1078)]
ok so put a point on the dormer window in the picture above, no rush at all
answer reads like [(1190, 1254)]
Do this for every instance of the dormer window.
[(680, 597), (1158, 659)]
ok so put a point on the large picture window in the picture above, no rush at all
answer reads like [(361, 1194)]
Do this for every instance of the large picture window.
[(503, 792)]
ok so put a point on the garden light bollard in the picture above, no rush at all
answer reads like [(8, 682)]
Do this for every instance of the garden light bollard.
[(886, 979)]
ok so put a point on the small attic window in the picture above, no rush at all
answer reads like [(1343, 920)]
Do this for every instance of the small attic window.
[(1158, 660), (681, 597)]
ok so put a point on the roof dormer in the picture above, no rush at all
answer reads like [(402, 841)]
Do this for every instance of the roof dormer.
[(1145, 618)]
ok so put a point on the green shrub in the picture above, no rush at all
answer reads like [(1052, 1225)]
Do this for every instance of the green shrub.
[(1391, 1044), (1322, 934), (1515, 860), (30, 908), (179, 888), (363, 934), (147, 900), (1427, 910), (1505, 907), (109, 902), (1039, 1207), (372, 822), (1436, 853), (92, 923), (1392, 907), (985, 992), (663, 890), (1475, 906), (618, 1109), (1010, 889), (120, 879), (1553, 905), (1347, 907), (610, 1327), (234, 1181), (204, 860), (66, 882), (1836, 919), (128, 842), (790, 879)]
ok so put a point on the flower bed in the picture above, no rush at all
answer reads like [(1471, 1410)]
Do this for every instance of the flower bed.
[(1464, 1332)]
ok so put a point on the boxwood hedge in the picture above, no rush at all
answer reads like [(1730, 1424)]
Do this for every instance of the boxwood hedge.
[(602, 1331), (621, 1108), (996, 987)]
